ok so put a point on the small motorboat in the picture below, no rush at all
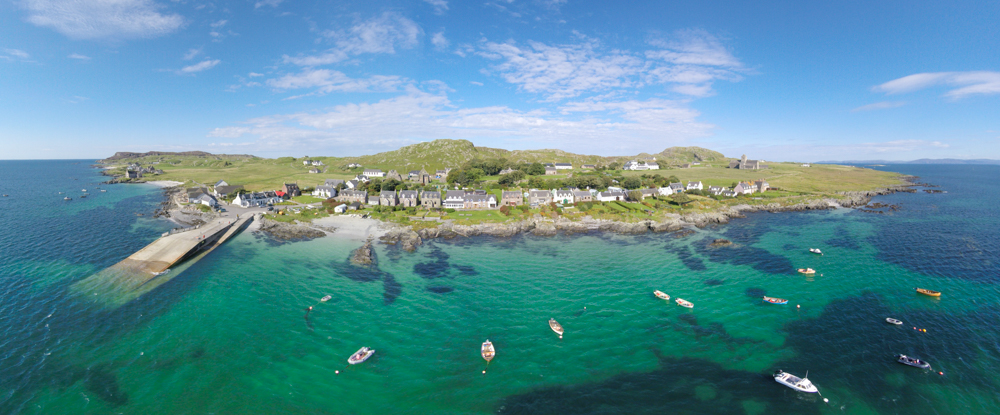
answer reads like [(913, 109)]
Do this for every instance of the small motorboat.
[(931, 293), (103, 190), (774, 300), (815, 251), (683, 303), (909, 361), (488, 351), (800, 384), (83, 190), (808, 271), (891, 320), (67, 198), (556, 327), (661, 295), (325, 298), (82, 196), (360, 356)]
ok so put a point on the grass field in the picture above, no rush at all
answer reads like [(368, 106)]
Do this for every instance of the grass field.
[(820, 178)]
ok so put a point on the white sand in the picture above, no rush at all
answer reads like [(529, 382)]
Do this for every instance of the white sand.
[(352, 226), (164, 183)]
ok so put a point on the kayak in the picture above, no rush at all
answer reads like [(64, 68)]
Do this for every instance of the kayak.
[(773, 300), (931, 293)]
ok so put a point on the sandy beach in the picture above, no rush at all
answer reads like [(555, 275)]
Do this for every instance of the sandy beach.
[(164, 183), (352, 227)]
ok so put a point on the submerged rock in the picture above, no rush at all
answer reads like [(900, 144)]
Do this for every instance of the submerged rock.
[(720, 242)]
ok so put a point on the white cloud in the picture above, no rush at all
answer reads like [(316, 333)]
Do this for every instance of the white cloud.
[(17, 53), (382, 34), (255, 74), (880, 106), (79, 57), (562, 71), (625, 127), (327, 81), (219, 23), (440, 6), (83, 19), (271, 3), (689, 63), (439, 41), (75, 99), (968, 83), (191, 53), (200, 66), (476, 83)]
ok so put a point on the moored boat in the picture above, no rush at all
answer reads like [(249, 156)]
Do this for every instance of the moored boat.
[(556, 327), (806, 271), (325, 298), (661, 294), (684, 303), (815, 251), (891, 320), (67, 198), (488, 351), (774, 300), (360, 356), (800, 384), (931, 293), (910, 361)]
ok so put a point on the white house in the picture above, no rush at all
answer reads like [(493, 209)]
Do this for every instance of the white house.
[(325, 191), (562, 196), (221, 183), (374, 173), (257, 199), (610, 195), (353, 165), (695, 186), (665, 191), (634, 165), (205, 199), (564, 166), (743, 189), (677, 187), (454, 199), (716, 190), (340, 209)]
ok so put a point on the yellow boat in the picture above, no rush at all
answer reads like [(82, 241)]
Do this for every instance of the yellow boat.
[(931, 293), (806, 271)]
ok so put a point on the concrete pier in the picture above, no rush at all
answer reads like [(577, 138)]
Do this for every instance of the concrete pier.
[(157, 263)]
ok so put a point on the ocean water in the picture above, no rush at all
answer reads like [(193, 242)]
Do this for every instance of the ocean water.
[(230, 334)]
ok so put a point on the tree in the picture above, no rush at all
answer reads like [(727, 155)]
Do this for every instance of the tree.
[(673, 179), (680, 198), (536, 169), (635, 196), (614, 165), (632, 183), (375, 186), (391, 184), (510, 179)]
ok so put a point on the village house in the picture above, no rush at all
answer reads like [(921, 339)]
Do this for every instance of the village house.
[(610, 195), (695, 186), (340, 208), (317, 163), (744, 164), (225, 190), (743, 188), (388, 198), (634, 165), (454, 199), (580, 196), (762, 185), (325, 191), (334, 182), (562, 196), (353, 166), (373, 173), (352, 184), (677, 187), (221, 183), (564, 166), (430, 199), (362, 178), (353, 196), (132, 174), (728, 193), (511, 198), (806, 165), (550, 170), (716, 190), (393, 175), (313, 170), (201, 196), (648, 193), (589, 166), (291, 189), (306, 162), (507, 171), (478, 201), (408, 198), (539, 197), (665, 191), (257, 199)]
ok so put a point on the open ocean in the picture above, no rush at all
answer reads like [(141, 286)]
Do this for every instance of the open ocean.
[(228, 335)]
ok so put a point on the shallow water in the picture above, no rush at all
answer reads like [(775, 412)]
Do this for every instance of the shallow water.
[(230, 334)]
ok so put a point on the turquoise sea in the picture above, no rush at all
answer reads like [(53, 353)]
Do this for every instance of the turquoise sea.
[(229, 335)]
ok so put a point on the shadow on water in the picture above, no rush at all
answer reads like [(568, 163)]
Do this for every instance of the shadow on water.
[(440, 289), (687, 257), (843, 239), (679, 385), (391, 289), (742, 254)]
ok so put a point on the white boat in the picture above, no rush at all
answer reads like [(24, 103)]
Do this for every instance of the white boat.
[(325, 298), (891, 320), (488, 351), (103, 190), (800, 384), (360, 356), (556, 327), (661, 294), (683, 303), (815, 251), (67, 198), (911, 361)]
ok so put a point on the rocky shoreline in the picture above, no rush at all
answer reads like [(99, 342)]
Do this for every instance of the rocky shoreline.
[(410, 240)]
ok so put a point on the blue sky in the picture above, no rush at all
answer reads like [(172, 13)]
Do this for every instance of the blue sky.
[(774, 80)]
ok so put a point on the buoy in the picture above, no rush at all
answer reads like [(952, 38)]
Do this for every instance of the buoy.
[(336, 372), (941, 373), (798, 306), (484, 372), (826, 400)]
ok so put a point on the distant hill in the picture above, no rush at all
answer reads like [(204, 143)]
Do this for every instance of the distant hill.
[(443, 153), (920, 161), (125, 155)]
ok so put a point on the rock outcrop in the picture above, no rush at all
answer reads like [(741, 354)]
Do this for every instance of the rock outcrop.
[(720, 242), (288, 231), (364, 256)]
